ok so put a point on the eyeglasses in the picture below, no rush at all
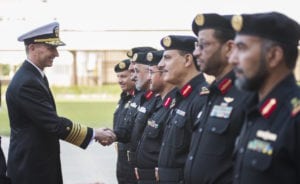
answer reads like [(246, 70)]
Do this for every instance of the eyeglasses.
[(203, 45), (153, 72), (136, 70)]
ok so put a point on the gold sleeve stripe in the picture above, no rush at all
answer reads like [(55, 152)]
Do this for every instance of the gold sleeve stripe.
[(72, 133), (77, 134)]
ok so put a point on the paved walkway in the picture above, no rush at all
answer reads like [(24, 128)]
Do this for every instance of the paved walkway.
[(95, 165)]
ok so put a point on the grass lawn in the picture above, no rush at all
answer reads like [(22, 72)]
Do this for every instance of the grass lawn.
[(93, 113)]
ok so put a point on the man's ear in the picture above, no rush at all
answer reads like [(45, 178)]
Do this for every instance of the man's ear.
[(188, 60), (274, 56), (229, 46)]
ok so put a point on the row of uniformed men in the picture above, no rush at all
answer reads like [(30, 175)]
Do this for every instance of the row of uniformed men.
[(174, 127)]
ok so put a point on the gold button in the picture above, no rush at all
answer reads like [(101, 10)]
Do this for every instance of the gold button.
[(68, 128)]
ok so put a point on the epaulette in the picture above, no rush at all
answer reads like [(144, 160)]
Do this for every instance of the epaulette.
[(296, 106)]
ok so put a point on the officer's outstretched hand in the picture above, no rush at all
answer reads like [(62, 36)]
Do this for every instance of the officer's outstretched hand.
[(105, 136)]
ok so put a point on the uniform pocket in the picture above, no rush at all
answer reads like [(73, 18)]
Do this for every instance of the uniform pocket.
[(214, 141), (217, 126), (258, 161), (179, 131)]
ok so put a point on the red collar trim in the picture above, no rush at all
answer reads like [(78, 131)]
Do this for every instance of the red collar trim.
[(268, 107), (186, 90), (225, 85), (148, 95)]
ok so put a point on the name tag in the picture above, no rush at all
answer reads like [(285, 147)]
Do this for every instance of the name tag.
[(152, 123), (133, 105), (199, 115), (126, 105), (180, 112), (142, 109), (221, 111), (266, 135)]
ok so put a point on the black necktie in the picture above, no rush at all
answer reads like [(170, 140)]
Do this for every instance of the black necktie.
[(46, 81), (47, 84)]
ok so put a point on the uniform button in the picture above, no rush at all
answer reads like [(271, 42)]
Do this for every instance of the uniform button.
[(236, 176), (213, 129), (200, 130), (191, 158), (250, 123), (254, 162), (209, 103), (241, 150), (163, 144), (175, 122)]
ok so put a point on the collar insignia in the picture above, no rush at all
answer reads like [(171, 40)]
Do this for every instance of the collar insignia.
[(186, 90), (268, 107), (296, 106), (204, 91), (148, 95), (167, 102), (225, 85)]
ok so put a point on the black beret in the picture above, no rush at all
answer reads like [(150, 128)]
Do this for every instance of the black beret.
[(134, 50), (154, 57), (140, 58), (122, 66), (211, 21), (179, 42), (272, 25)]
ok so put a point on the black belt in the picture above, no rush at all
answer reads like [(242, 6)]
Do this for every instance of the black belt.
[(145, 174), (169, 174)]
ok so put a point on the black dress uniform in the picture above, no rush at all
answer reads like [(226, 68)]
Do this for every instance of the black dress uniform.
[(148, 149), (123, 132), (269, 146), (177, 135), (34, 150), (145, 110), (3, 177), (123, 165), (220, 121)]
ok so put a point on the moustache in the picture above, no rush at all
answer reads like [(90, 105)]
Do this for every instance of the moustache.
[(238, 70)]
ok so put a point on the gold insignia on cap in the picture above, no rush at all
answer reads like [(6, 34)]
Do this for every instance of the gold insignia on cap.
[(130, 53), (56, 31), (134, 57), (167, 41), (149, 56), (122, 65), (237, 22), (199, 19)]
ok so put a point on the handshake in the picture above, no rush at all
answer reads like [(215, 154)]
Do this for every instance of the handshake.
[(105, 136)]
